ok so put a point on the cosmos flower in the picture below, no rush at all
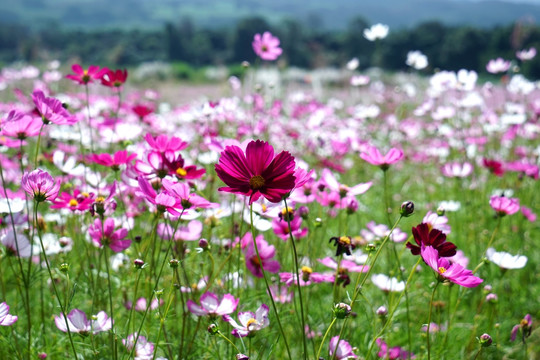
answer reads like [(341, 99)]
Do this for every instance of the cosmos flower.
[(119, 158), (526, 54), (40, 185), (104, 235), (78, 201), (394, 353), (115, 78), (498, 65), (266, 46), (20, 126), (17, 245), (266, 252), (249, 322), (85, 76), (307, 277), (387, 284), (417, 60), (526, 328), (79, 323), (340, 351), (6, 319), (505, 260), (373, 156), (504, 205), (447, 271), (212, 306), (257, 172), (377, 31), (436, 221), (144, 349), (426, 236), (455, 169), (51, 110)]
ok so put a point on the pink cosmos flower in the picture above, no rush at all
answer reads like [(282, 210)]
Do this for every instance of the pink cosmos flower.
[(144, 349), (109, 237), (526, 54), (329, 181), (6, 319), (266, 252), (119, 158), (266, 46), (392, 353), (40, 185), (528, 213), (257, 171), (307, 277), (17, 245), (162, 143), (498, 65), (250, 322), (20, 126), (373, 156), (281, 228), (115, 78), (79, 323), (455, 169), (503, 205), (376, 232), (447, 271), (211, 306), (436, 221), (526, 328), (78, 201), (345, 267), (85, 76), (51, 110), (187, 200), (340, 351)]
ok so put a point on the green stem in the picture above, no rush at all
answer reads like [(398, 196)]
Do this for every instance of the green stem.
[(266, 282), (52, 280), (429, 321), (296, 271), (112, 335), (38, 144), (228, 340), (324, 337)]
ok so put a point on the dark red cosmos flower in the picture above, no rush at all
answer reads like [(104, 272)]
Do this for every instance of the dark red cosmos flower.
[(142, 110), (257, 172), (114, 78), (424, 236), (496, 167)]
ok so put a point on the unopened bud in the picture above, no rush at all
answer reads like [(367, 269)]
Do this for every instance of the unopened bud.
[(138, 263), (64, 268), (382, 311), (492, 298), (341, 310), (213, 329), (371, 247), (203, 244), (173, 263), (318, 222), (242, 357), (407, 209), (440, 211), (303, 211), (485, 340)]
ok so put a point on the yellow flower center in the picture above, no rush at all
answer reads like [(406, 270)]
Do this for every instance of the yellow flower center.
[(251, 322), (306, 270), (100, 199), (85, 194), (442, 270), (181, 171), (73, 202), (256, 182), (345, 240)]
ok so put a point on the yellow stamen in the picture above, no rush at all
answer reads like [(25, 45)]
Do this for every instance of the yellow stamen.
[(85, 194), (256, 182), (73, 202), (345, 240), (250, 322), (307, 270), (442, 270), (100, 199), (181, 171)]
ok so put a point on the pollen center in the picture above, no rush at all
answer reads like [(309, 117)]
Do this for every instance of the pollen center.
[(442, 270), (345, 240), (181, 171), (306, 270), (251, 322), (256, 182), (73, 202)]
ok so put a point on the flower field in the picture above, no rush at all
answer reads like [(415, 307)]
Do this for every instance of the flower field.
[(395, 217)]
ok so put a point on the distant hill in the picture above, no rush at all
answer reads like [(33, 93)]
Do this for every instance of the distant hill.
[(335, 14)]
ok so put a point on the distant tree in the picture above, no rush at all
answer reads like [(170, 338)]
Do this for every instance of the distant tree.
[(243, 37), (293, 42), (462, 49), (355, 44)]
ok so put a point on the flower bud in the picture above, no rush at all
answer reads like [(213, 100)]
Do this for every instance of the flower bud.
[(203, 244), (485, 340), (371, 247), (138, 263), (407, 209), (242, 357), (173, 263), (382, 311), (341, 310), (64, 267), (492, 298), (42, 355), (213, 329), (318, 222), (303, 211), (440, 211)]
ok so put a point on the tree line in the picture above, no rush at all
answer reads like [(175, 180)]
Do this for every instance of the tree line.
[(305, 44)]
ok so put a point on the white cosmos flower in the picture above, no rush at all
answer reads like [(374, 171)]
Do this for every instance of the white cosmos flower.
[(506, 260), (416, 59), (386, 283), (377, 31)]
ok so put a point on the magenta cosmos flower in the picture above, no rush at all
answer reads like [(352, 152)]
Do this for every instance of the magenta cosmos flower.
[(396, 352), (266, 253), (40, 185), (104, 235), (20, 126), (5, 318), (85, 76), (119, 158), (80, 201), (340, 351), (526, 328), (266, 46), (257, 172), (448, 271), (373, 156), (115, 78), (211, 306), (79, 323), (249, 322), (503, 205), (52, 110)]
